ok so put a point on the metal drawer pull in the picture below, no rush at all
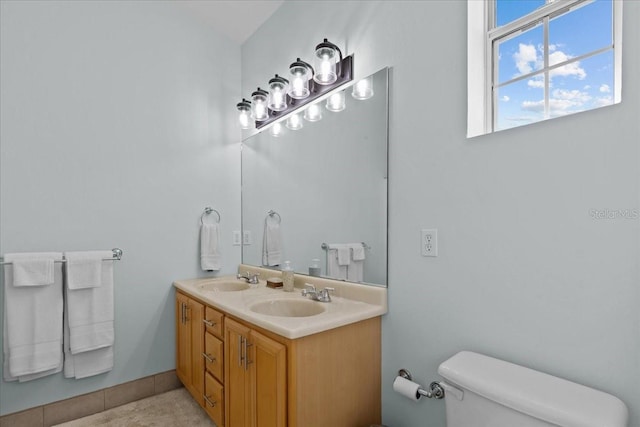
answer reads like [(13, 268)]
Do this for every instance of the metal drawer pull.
[(246, 355), (209, 323), (240, 346), (210, 403), (210, 359)]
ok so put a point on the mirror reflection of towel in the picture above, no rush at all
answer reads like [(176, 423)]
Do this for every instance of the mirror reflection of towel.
[(271, 245)]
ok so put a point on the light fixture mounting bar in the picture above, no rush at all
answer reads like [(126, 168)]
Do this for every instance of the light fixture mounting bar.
[(346, 75)]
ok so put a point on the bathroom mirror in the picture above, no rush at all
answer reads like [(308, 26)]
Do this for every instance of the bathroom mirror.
[(327, 184)]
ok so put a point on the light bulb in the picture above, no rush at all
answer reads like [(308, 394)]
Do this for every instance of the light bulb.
[(363, 89), (294, 122), (336, 102), (276, 130), (313, 113)]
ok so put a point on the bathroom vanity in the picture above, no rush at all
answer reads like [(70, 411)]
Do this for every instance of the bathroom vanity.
[(251, 355)]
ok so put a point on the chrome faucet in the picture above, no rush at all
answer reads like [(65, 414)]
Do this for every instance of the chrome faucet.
[(250, 278), (321, 295)]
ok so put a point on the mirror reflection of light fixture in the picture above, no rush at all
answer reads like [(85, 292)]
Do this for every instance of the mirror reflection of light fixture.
[(313, 113), (363, 89), (300, 75), (259, 108), (294, 122), (244, 114), (305, 87), (278, 93), (325, 63), (336, 102), (276, 129)]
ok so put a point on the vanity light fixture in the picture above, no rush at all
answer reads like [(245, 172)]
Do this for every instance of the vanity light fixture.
[(306, 86), (325, 62), (294, 122), (336, 102), (278, 93), (259, 108), (276, 129), (301, 75), (313, 113), (244, 114), (363, 89)]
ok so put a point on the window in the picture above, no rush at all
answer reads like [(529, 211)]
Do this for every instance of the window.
[(539, 59)]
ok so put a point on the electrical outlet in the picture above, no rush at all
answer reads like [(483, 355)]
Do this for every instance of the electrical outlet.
[(429, 242), (247, 238), (237, 238)]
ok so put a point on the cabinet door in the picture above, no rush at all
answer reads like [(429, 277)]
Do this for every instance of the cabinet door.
[(236, 378), (183, 340), (268, 372), (195, 314)]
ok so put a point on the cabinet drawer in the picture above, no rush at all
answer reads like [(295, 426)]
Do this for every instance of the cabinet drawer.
[(213, 355), (214, 399), (213, 320)]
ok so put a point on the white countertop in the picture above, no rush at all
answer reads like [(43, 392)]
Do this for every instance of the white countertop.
[(339, 312)]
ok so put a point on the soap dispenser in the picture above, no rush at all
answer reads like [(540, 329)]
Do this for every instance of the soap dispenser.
[(287, 277), (314, 268)]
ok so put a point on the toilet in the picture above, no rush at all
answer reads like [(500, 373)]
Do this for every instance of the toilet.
[(481, 391)]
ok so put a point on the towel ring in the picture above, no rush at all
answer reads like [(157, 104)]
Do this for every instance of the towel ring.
[(207, 211), (273, 213)]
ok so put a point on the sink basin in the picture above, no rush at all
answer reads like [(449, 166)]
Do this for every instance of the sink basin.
[(288, 308), (225, 286)]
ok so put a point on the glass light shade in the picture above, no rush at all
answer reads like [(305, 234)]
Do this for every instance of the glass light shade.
[(313, 113), (278, 93), (276, 129), (336, 102), (325, 63), (363, 89), (244, 114), (300, 73), (294, 122), (259, 105)]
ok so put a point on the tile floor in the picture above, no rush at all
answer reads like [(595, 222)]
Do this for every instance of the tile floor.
[(171, 409)]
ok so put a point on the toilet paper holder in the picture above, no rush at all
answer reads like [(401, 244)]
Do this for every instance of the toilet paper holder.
[(436, 391)]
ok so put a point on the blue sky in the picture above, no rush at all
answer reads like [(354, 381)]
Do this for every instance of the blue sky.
[(577, 86)]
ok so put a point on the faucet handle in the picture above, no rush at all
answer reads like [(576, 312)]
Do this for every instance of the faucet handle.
[(324, 294), (253, 278)]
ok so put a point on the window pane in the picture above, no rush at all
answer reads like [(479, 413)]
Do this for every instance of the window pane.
[(520, 103), (520, 55), (593, 88), (580, 31), (510, 10)]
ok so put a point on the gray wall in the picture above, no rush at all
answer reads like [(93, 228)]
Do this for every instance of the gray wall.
[(524, 272), (117, 129)]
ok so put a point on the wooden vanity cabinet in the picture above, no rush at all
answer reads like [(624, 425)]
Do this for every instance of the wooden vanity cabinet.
[(246, 376)]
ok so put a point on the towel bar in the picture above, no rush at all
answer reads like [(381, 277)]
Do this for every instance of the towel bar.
[(273, 213), (207, 211), (326, 246), (117, 256)]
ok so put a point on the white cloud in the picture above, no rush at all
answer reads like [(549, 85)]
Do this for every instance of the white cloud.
[(605, 88), (525, 58), (603, 101), (536, 83), (506, 98), (571, 95), (571, 69)]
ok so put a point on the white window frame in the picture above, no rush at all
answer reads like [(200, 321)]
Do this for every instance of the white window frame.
[(481, 35)]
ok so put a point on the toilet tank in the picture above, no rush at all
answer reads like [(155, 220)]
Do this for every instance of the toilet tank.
[(496, 393)]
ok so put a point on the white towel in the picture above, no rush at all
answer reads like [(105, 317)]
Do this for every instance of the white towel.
[(271, 244), (84, 269), (357, 251), (89, 363), (33, 272), (343, 252), (209, 241), (334, 269), (355, 271), (32, 336), (91, 312)]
